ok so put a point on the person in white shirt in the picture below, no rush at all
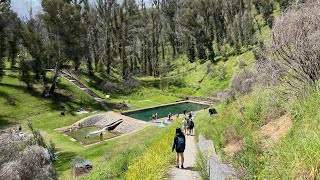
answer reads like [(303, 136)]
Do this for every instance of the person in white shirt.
[(185, 125)]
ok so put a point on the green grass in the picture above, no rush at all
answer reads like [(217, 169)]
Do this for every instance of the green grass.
[(19, 103), (296, 156), (25, 104), (80, 135), (197, 82), (154, 162), (141, 99), (124, 155)]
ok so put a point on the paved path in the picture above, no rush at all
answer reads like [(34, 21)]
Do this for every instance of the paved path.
[(189, 172), (85, 89)]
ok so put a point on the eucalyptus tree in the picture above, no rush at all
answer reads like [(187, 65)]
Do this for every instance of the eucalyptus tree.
[(62, 20), (170, 9)]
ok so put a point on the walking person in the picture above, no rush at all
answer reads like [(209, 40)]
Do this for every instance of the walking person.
[(188, 126), (191, 126), (179, 144), (185, 125)]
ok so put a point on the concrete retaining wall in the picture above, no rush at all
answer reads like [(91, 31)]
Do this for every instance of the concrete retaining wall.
[(217, 169)]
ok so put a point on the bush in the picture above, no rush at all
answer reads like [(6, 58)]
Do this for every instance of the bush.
[(131, 83), (222, 73), (242, 83), (295, 45), (11, 100), (25, 72), (19, 160), (242, 64)]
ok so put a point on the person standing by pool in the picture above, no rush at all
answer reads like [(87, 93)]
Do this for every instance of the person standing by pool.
[(184, 112), (192, 113), (179, 144), (169, 116), (156, 116), (101, 136), (184, 125)]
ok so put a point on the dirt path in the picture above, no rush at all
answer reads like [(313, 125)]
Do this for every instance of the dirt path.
[(189, 172)]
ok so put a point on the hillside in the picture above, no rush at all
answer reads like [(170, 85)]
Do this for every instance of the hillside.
[(91, 88)]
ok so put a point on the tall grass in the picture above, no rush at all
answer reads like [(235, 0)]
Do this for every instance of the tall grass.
[(298, 155), (155, 162)]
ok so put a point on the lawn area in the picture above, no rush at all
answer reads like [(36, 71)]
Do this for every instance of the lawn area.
[(80, 135), (18, 104), (141, 99)]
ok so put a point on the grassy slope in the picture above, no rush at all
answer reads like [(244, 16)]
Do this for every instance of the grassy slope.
[(45, 115), (296, 156), (141, 98)]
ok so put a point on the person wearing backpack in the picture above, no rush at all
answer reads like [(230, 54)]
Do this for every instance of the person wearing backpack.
[(179, 144), (191, 126)]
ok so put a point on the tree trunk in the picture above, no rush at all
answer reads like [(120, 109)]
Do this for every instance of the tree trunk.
[(96, 58), (163, 52), (77, 63), (211, 51), (89, 62), (54, 80), (124, 62)]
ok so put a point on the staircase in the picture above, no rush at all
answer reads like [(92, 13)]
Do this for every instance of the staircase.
[(85, 89)]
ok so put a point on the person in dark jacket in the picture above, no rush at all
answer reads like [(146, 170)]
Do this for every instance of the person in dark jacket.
[(179, 144)]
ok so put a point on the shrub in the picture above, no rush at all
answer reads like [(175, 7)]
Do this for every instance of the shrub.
[(19, 160), (131, 83), (222, 73), (242, 83), (242, 64), (295, 45), (11, 100), (25, 72)]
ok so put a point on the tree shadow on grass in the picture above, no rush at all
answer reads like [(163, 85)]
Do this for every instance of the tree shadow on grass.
[(65, 100), (63, 162), (30, 91), (5, 122)]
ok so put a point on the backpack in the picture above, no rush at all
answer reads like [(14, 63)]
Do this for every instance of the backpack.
[(191, 124), (181, 144)]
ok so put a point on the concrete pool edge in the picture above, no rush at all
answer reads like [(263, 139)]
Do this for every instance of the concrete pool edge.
[(141, 123)]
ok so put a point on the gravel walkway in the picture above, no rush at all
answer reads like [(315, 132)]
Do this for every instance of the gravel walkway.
[(189, 172)]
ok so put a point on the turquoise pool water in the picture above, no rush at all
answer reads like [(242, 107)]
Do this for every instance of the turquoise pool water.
[(163, 111)]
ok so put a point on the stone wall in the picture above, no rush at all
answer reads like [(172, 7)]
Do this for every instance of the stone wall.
[(217, 169)]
